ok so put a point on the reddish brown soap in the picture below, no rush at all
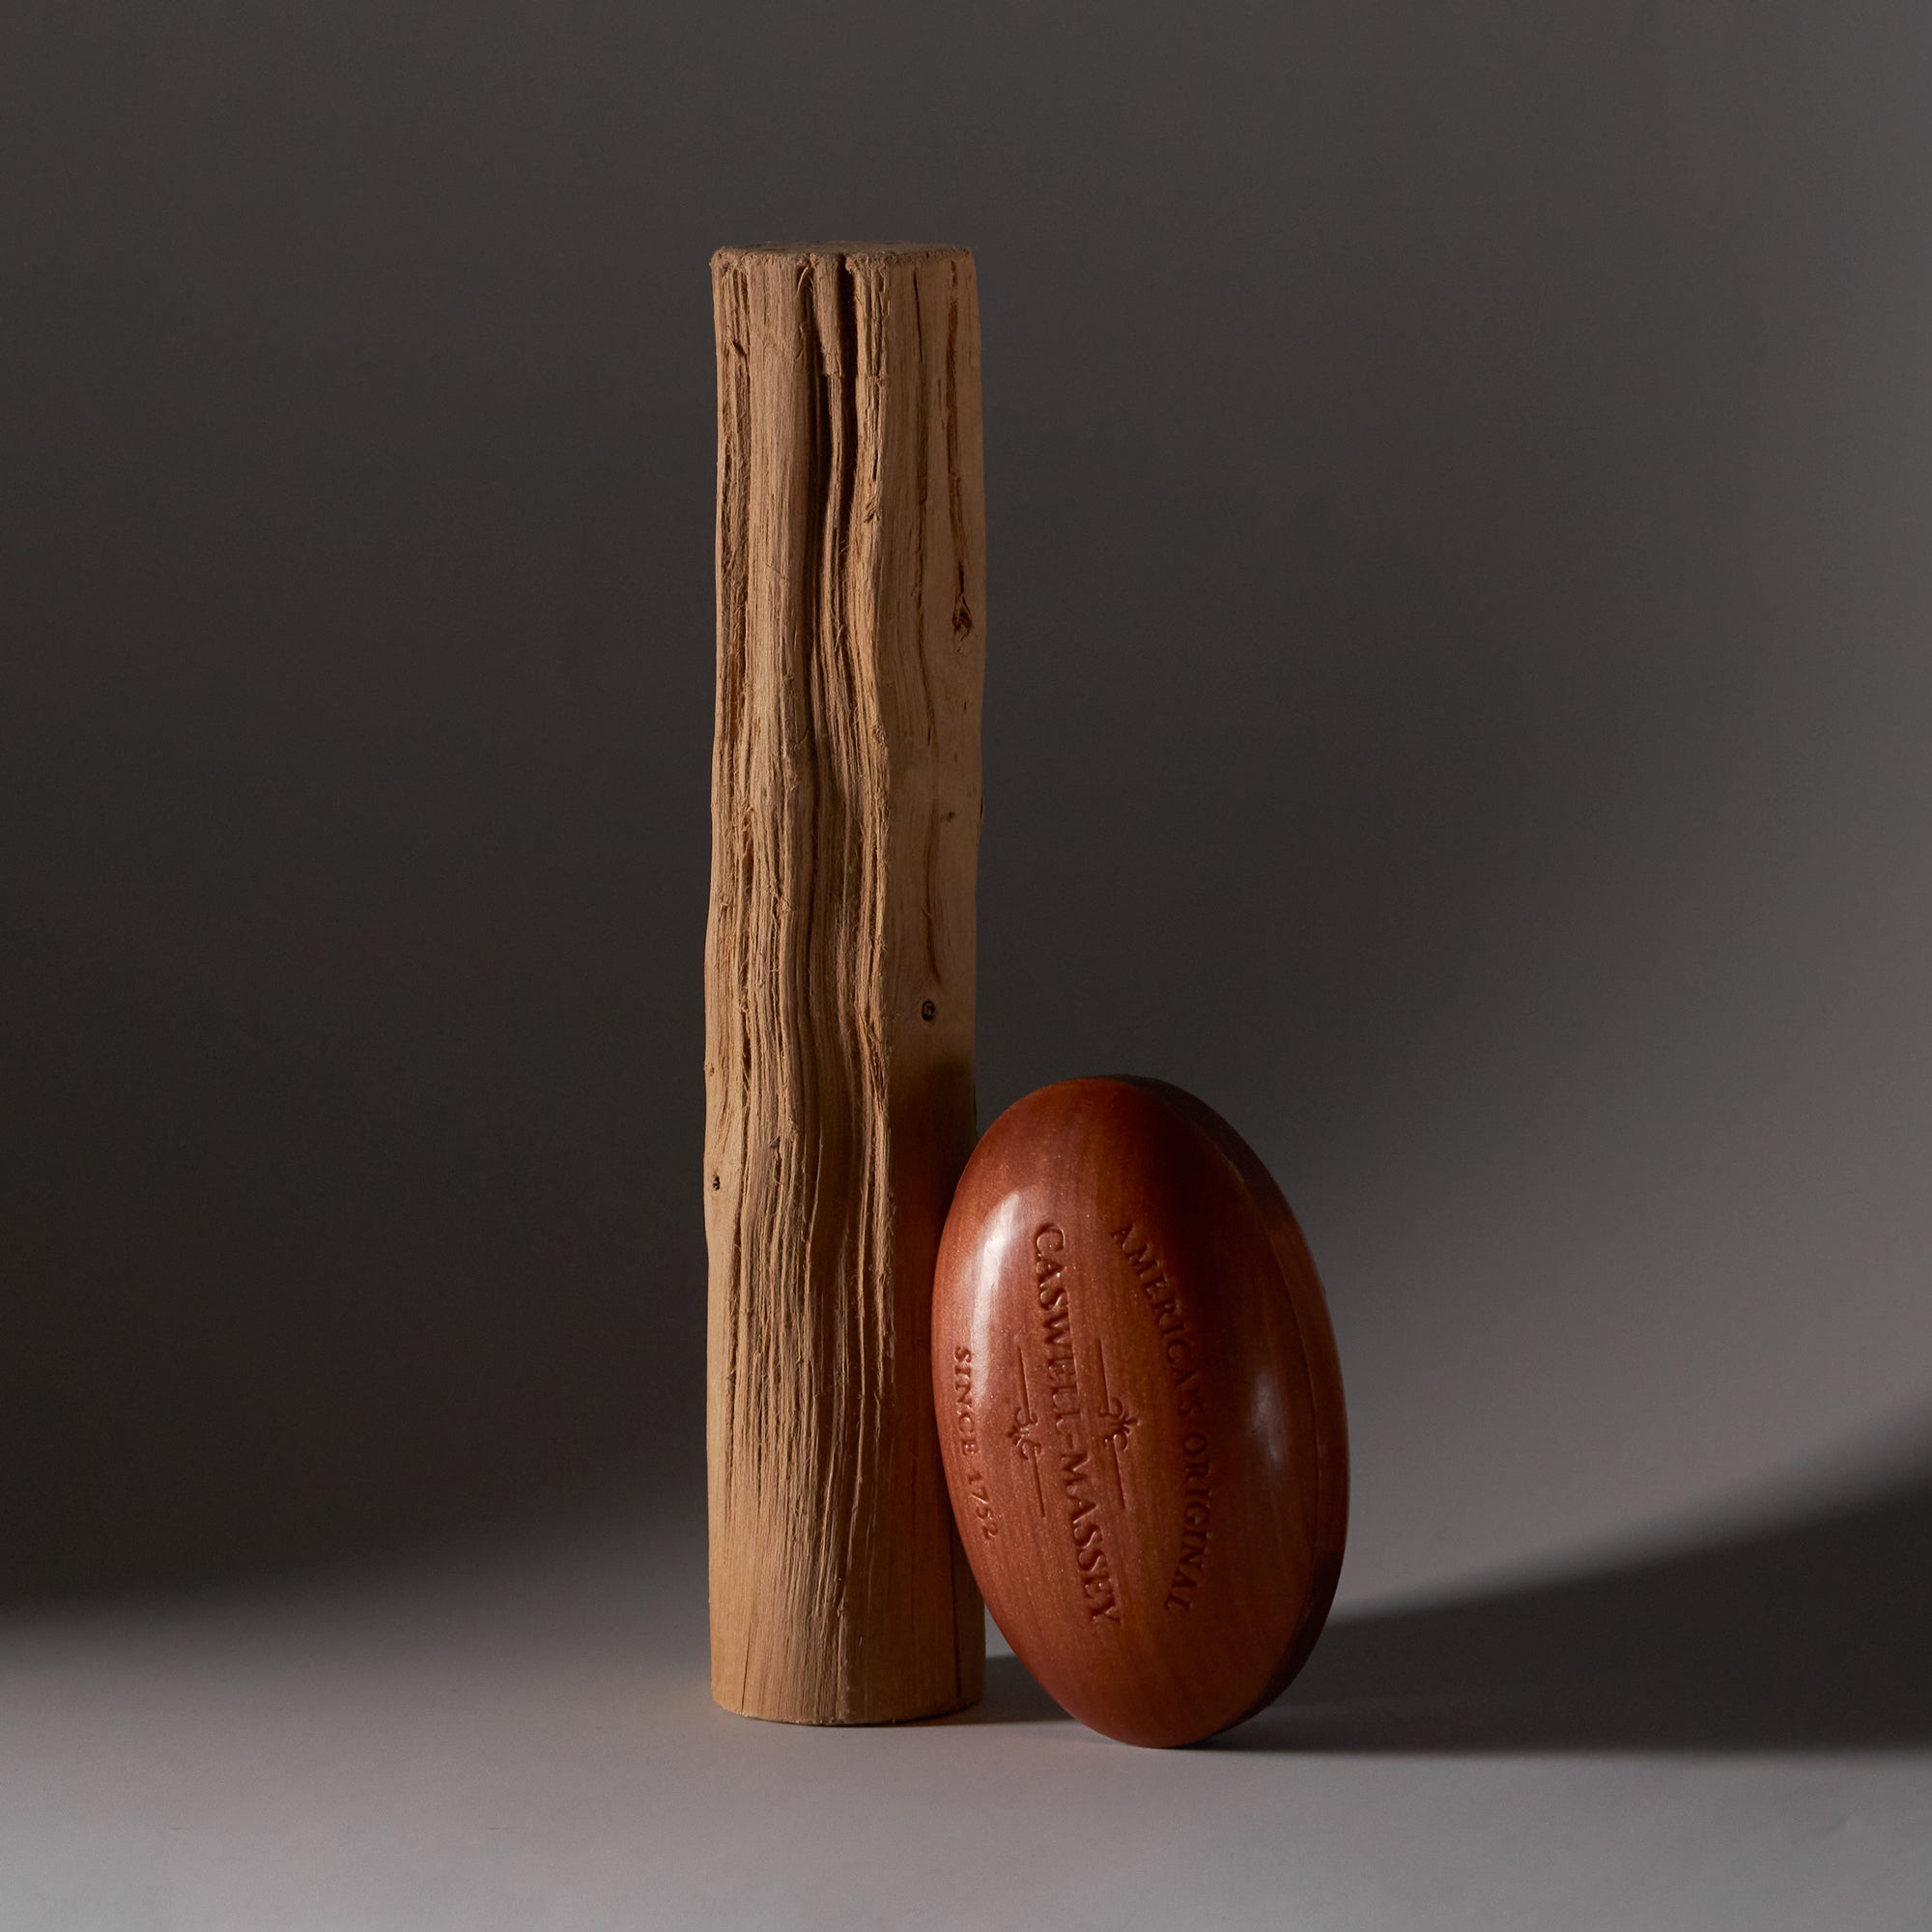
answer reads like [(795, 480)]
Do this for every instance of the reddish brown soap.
[(1141, 1406)]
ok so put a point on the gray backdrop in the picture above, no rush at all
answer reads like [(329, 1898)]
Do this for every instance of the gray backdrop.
[(1459, 487)]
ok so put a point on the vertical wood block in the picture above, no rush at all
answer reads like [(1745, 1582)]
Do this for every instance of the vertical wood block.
[(838, 970)]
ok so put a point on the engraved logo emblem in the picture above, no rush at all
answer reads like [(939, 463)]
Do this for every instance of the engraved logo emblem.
[(1026, 1444), (1112, 1424)]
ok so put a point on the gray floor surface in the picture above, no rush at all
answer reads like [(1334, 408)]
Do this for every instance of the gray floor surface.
[(523, 1740)]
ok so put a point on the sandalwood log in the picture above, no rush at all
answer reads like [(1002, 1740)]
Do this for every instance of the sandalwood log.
[(838, 971)]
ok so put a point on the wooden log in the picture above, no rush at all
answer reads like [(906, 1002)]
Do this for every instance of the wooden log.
[(838, 971)]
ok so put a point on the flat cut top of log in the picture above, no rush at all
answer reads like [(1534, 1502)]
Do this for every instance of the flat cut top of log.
[(850, 251)]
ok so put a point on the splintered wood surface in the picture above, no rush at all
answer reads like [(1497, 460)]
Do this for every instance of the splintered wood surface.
[(838, 970)]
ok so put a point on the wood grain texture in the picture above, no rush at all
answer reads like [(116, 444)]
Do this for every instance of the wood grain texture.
[(838, 971), (1141, 1408)]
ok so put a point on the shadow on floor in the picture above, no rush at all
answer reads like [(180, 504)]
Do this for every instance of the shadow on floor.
[(1012, 1698), (1811, 1637)]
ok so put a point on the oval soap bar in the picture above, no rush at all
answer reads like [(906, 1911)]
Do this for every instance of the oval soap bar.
[(1141, 1407)]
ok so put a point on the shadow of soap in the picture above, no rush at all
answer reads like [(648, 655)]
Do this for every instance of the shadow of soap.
[(1012, 1698), (1810, 1636)]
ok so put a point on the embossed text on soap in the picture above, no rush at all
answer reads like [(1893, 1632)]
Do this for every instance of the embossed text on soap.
[(1076, 1470), (966, 1442), (1180, 1351)]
